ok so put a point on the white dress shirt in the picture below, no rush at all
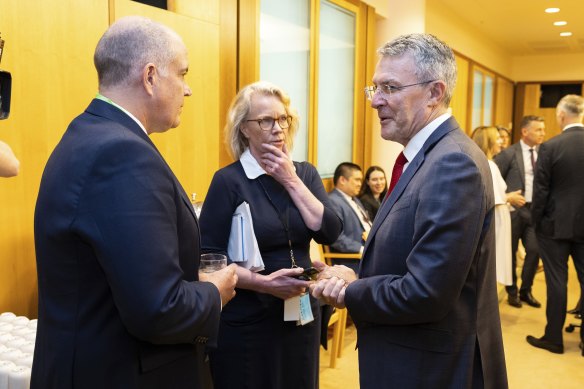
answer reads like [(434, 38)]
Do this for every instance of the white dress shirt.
[(528, 169)]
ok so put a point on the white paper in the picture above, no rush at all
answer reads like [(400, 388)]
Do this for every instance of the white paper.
[(243, 247), (292, 309)]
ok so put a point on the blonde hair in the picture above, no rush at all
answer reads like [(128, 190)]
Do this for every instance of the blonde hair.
[(241, 106), (486, 138)]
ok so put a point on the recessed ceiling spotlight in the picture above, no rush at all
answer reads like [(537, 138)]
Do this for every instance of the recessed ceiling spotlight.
[(565, 33), (560, 23), (552, 10)]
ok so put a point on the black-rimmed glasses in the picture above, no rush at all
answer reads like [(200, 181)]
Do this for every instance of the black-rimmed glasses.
[(386, 89), (266, 124)]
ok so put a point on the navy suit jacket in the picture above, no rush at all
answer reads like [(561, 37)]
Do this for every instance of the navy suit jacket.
[(426, 307), (350, 240), (511, 165), (558, 188), (117, 246)]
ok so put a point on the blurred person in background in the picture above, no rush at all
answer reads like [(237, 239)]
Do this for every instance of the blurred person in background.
[(373, 191), (505, 137), (517, 165), (489, 141), (558, 216)]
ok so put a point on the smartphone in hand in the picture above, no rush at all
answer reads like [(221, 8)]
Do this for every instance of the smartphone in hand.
[(309, 274)]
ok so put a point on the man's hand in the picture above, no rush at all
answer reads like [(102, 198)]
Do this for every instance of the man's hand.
[(224, 279), (331, 283), (516, 199)]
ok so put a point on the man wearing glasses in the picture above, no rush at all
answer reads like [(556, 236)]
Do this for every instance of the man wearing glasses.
[(425, 305)]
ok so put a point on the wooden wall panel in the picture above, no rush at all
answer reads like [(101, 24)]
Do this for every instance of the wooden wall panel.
[(54, 80), (51, 63), (191, 150), (504, 102), (459, 97), (228, 71), (205, 10), (531, 107)]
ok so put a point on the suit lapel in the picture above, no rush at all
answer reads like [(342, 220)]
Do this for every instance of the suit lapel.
[(408, 174), (520, 164)]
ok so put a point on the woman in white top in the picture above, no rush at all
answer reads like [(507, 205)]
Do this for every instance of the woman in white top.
[(489, 141)]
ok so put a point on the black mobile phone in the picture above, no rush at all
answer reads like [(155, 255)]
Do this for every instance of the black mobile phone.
[(308, 274)]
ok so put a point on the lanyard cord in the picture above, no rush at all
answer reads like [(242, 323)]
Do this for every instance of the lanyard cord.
[(282, 220)]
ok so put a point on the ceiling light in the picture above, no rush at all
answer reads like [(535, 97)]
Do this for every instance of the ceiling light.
[(560, 23), (565, 33), (552, 10)]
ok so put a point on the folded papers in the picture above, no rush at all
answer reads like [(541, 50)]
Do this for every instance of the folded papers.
[(243, 246)]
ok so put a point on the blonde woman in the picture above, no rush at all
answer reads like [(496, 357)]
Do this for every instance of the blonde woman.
[(489, 141), (289, 207)]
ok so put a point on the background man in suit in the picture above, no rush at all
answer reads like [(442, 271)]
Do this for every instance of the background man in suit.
[(425, 306), (117, 240), (558, 215), (348, 179), (516, 164)]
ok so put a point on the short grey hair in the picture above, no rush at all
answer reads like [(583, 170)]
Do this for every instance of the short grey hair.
[(434, 59), (241, 106), (128, 45), (572, 105)]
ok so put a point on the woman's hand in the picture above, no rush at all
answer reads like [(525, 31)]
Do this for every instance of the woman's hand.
[(278, 164), (282, 283)]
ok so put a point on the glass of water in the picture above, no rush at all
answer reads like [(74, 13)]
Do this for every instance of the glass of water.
[(212, 262)]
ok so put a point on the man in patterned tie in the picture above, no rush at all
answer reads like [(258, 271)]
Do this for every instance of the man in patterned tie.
[(425, 304)]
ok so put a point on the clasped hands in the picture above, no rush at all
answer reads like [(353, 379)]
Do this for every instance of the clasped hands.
[(331, 283)]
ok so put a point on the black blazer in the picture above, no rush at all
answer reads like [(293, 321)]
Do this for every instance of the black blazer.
[(117, 246), (558, 189), (511, 165)]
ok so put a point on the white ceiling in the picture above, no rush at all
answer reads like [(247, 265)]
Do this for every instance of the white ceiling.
[(522, 27)]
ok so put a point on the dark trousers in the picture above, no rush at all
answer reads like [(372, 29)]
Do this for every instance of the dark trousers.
[(554, 254), (522, 228)]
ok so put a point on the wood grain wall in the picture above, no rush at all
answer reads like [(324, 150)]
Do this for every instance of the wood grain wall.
[(49, 51)]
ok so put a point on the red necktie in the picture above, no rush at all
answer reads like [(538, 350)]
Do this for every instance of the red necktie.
[(396, 173)]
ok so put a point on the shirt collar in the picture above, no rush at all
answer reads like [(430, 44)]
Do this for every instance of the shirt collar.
[(251, 167), (417, 142), (345, 196), (572, 125), (525, 147), (101, 97)]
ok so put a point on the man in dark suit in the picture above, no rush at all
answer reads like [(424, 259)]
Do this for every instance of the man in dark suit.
[(348, 179), (516, 164), (558, 215), (117, 240), (425, 306)]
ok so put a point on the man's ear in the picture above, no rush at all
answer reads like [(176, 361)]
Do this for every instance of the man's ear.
[(437, 92), (149, 78)]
